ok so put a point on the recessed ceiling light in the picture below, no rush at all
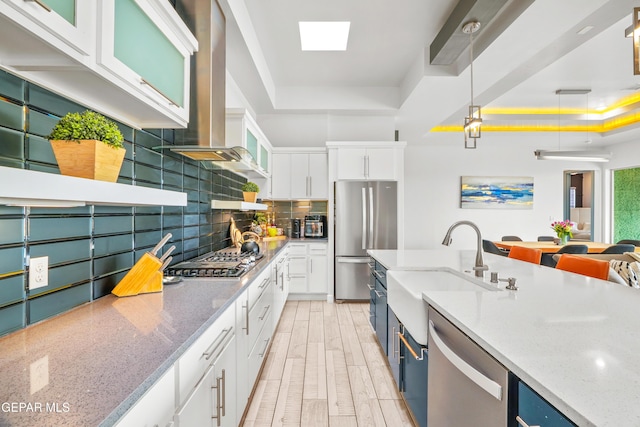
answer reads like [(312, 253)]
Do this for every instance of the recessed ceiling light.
[(322, 35)]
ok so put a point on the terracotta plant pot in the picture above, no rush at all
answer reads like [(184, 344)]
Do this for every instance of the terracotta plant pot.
[(88, 159), (250, 196)]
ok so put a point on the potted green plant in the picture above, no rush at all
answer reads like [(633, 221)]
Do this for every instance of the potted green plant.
[(250, 191), (88, 145)]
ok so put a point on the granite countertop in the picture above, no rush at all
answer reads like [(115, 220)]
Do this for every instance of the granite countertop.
[(88, 366), (570, 337)]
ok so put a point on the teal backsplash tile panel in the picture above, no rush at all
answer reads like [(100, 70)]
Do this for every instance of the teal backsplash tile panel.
[(12, 318), (12, 290), (61, 277), (11, 115), (11, 260), (59, 228), (11, 86), (112, 224), (58, 302), (91, 248), (48, 101), (62, 252), (11, 230), (112, 244), (112, 264)]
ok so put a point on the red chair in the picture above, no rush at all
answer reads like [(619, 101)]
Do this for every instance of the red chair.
[(586, 266), (526, 254)]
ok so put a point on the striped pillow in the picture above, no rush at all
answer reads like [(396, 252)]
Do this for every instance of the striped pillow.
[(628, 271)]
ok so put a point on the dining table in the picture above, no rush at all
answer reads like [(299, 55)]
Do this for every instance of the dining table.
[(551, 247)]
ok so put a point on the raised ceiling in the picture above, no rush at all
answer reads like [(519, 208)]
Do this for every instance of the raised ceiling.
[(528, 51)]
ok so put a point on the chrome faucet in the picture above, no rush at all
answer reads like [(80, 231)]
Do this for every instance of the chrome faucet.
[(479, 267)]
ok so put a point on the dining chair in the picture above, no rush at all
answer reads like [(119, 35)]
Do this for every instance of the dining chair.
[(525, 254), (546, 238), (547, 259), (490, 247), (511, 239), (629, 242), (619, 249), (586, 266)]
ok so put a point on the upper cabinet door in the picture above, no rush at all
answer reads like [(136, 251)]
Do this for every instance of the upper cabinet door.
[(67, 24), (381, 163), (352, 163), (281, 176), (318, 176), (141, 43), (300, 176)]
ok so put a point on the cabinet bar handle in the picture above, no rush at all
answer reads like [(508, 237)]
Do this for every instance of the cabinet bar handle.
[(145, 82), (264, 313), (411, 350), (311, 265), (364, 166), (41, 4), (264, 283), (246, 317), (224, 393), (217, 415), (371, 288), (522, 423), (485, 383), (393, 341), (221, 336), (310, 186), (264, 350), (379, 294)]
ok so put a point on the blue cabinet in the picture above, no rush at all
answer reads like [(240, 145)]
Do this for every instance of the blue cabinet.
[(372, 299), (393, 346), (381, 314), (415, 375), (535, 411)]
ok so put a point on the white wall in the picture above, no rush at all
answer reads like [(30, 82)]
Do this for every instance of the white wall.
[(432, 188)]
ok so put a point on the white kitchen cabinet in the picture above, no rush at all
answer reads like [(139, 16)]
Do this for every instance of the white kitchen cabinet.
[(155, 407), (308, 270), (367, 163), (300, 175), (243, 131), (281, 176), (146, 55), (280, 285), (100, 53), (66, 24)]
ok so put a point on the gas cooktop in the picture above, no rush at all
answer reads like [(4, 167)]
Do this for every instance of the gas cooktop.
[(226, 264)]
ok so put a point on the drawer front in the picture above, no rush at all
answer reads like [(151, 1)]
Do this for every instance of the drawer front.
[(259, 314), (317, 248), (258, 287), (194, 362), (259, 352), (297, 249)]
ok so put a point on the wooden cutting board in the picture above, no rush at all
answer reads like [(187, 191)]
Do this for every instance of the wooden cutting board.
[(269, 239)]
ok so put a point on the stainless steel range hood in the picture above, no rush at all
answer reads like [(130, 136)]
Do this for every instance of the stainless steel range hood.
[(204, 138)]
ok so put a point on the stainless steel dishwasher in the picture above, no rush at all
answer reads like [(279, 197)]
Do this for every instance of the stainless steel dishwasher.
[(467, 387)]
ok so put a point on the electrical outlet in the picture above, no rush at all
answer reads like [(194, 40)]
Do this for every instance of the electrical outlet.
[(38, 272)]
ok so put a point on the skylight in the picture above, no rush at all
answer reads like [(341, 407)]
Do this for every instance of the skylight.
[(324, 35)]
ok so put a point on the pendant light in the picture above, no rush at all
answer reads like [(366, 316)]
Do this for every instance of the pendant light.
[(473, 122)]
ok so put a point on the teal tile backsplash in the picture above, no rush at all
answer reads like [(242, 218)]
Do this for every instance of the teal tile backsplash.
[(91, 248)]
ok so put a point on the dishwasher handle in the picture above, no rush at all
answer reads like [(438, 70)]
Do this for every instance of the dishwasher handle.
[(485, 383)]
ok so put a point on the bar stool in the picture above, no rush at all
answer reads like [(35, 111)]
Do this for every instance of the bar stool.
[(525, 254), (511, 239), (586, 266)]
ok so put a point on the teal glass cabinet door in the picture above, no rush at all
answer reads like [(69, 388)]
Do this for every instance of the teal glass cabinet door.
[(142, 46), (264, 158), (64, 8)]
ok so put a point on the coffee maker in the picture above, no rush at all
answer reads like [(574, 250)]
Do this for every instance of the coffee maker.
[(296, 228)]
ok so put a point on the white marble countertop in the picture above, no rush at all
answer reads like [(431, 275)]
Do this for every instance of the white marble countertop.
[(88, 366), (571, 338)]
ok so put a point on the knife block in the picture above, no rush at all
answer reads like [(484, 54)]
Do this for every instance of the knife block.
[(139, 276), (154, 284)]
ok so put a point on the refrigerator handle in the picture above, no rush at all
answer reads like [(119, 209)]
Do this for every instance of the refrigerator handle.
[(371, 217), (364, 219)]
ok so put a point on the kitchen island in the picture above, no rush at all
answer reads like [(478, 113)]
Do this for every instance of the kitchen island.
[(569, 337), (89, 366)]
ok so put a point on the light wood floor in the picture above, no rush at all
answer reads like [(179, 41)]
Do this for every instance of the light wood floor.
[(325, 368)]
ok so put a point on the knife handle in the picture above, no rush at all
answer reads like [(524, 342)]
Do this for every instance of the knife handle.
[(161, 243), (166, 263), (167, 253)]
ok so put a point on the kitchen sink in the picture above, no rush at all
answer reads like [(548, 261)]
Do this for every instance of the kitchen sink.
[(405, 288)]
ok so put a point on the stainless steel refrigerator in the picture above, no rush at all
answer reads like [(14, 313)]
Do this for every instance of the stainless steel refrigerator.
[(366, 218)]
